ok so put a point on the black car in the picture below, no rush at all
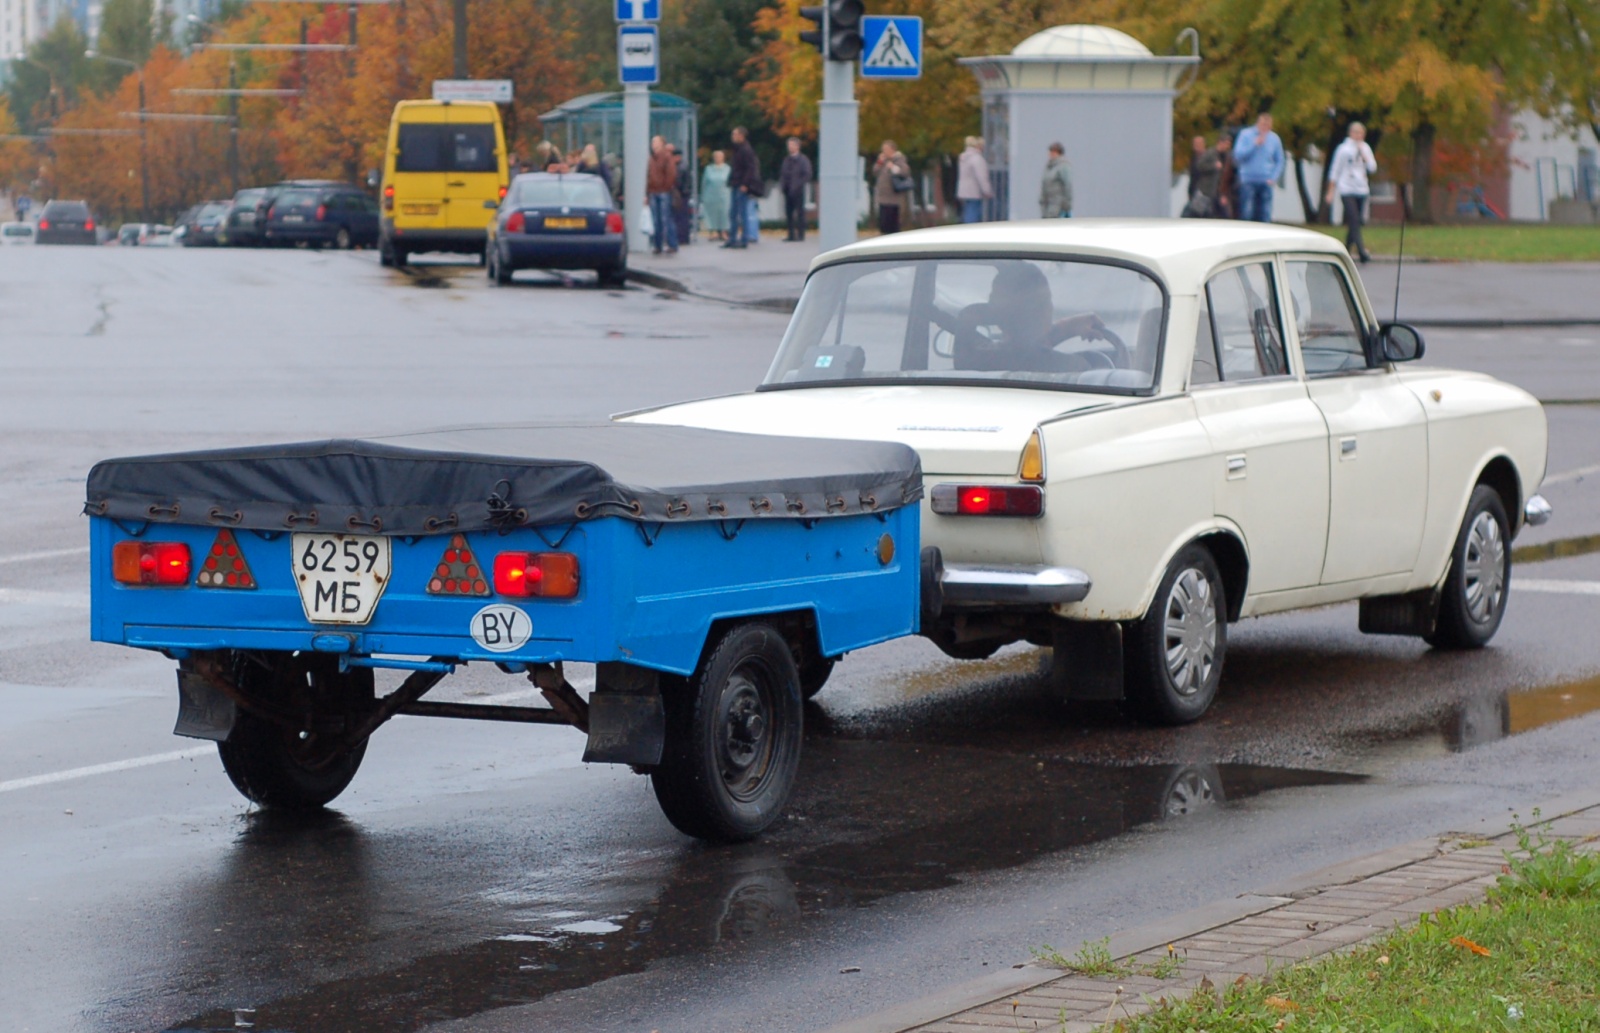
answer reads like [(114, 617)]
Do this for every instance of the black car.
[(202, 223), (341, 216), (558, 221), (238, 227), (66, 222)]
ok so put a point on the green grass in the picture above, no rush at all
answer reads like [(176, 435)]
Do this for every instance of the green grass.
[(1094, 959), (1540, 929), (1485, 242)]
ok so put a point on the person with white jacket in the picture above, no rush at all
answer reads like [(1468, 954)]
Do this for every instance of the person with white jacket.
[(1352, 164), (972, 182)]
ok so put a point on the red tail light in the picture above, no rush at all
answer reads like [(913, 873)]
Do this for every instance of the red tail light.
[(517, 223), (44, 224), (502, 193), (986, 500), (150, 563), (550, 575), (613, 222), (88, 224), (388, 199), (322, 212), (270, 209)]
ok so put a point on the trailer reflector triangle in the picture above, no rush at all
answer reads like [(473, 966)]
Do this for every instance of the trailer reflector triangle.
[(225, 566), (458, 571)]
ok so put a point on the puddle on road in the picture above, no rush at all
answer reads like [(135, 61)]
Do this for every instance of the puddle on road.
[(871, 819), (1475, 722)]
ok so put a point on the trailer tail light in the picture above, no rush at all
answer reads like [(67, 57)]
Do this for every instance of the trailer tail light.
[(987, 500), (150, 563), (613, 222), (1032, 466), (516, 223), (549, 575), (388, 199)]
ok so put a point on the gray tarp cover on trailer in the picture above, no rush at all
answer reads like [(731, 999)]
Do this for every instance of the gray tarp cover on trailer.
[(507, 476)]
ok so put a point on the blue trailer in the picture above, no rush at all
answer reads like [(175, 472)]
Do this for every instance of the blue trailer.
[(712, 578)]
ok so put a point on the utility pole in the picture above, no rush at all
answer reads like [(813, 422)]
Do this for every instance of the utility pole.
[(838, 126), (461, 70), (233, 123)]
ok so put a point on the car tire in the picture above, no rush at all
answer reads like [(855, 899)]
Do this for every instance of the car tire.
[(1477, 587), (733, 738), (496, 270), (1173, 656), (341, 239), (612, 275), (385, 253)]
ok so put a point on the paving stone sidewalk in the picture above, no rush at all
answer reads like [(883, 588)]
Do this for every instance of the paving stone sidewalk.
[(1310, 918)]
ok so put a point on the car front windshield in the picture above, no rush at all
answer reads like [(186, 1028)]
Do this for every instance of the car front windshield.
[(1077, 324), (579, 191)]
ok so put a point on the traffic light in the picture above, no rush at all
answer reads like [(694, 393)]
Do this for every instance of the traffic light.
[(838, 31)]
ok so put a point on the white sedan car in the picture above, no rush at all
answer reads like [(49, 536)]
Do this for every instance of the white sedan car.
[(1136, 432)]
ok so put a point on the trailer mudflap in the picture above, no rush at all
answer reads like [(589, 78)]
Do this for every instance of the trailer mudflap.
[(204, 711), (627, 721)]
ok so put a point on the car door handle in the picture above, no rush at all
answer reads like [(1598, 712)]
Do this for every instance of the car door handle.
[(1347, 448), (1236, 466)]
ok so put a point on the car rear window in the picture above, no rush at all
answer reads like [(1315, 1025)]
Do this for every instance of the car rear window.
[(446, 147), (297, 199), (579, 191), (249, 197), (211, 211), (67, 209), (18, 230)]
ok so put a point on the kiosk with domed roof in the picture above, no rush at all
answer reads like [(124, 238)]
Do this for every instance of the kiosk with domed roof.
[(1105, 97)]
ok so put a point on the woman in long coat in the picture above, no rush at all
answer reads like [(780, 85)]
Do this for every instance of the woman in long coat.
[(715, 196)]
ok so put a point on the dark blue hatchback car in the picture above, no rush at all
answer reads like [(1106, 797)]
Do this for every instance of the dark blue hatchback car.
[(554, 220)]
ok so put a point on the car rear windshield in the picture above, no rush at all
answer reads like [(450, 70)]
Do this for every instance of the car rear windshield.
[(249, 197), (67, 209), (211, 211), (1082, 325), (579, 191), (297, 199), (446, 147), (18, 229)]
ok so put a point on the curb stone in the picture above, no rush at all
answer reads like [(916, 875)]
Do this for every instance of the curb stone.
[(1301, 918)]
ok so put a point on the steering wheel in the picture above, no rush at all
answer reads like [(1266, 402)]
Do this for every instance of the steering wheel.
[(1124, 358)]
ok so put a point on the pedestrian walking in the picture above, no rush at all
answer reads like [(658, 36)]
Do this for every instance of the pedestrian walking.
[(661, 177), (1258, 155), (1228, 182), (973, 185), (794, 177), (1353, 162), (1205, 181), (892, 186), (1055, 190), (682, 198), (746, 187), (715, 196)]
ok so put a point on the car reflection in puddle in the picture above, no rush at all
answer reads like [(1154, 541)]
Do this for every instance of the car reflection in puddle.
[(1485, 719), (870, 819)]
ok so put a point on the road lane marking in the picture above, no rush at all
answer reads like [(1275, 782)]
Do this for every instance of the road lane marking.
[(50, 554), (104, 769), (1533, 584), (33, 597), (1572, 475)]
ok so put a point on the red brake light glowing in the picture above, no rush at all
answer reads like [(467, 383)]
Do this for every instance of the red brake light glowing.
[(388, 198), (502, 193), (548, 575), (517, 223), (1023, 500), (613, 222), (322, 212), (44, 224), (150, 563), (88, 224)]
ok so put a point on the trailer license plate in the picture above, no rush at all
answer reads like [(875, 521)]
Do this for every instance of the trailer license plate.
[(341, 577), (566, 224)]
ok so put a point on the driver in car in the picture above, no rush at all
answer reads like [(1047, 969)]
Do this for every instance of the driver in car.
[(1016, 328)]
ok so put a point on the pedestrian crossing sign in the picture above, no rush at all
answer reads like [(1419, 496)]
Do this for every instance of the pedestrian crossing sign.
[(891, 47)]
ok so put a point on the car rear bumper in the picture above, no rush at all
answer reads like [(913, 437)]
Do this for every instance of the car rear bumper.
[(998, 584), (461, 241), (291, 233), (66, 237), (562, 251)]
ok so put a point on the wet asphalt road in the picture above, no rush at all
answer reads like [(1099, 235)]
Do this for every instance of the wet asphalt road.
[(479, 877)]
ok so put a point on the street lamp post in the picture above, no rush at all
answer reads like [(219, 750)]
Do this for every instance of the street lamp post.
[(144, 140)]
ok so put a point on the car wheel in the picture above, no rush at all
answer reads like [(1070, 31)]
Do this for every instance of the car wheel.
[(497, 269), (341, 239), (1173, 656), (733, 738), (1477, 587), (612, 276), (385, 254)]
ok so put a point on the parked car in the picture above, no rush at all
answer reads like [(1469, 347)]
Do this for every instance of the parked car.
[(557, 221), (157, 235), (66, 222), (13, 234), (143, 234), (202, 223), (130, 233), (341, 216), (1135, 432)]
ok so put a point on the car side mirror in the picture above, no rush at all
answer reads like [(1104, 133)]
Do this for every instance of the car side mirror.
[(1398, 342)]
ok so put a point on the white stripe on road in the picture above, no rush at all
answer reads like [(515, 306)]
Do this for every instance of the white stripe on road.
[(104, 769), (1571, 475), (33, 597), (49, 554), (1531, 584)]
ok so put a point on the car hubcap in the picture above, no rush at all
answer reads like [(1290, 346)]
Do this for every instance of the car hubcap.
[(1485, 569), (744, 734), (1190, 793), (1191, 632)]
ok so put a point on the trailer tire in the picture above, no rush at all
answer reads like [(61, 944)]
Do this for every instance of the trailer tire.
[(733, 738)]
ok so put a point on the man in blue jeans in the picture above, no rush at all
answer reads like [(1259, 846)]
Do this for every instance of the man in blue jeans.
[(1258, 157), (661, 178)]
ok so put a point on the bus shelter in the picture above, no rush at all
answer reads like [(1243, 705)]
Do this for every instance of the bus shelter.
[(597, 118)]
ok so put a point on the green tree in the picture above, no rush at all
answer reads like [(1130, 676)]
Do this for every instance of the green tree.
[(127, 29)]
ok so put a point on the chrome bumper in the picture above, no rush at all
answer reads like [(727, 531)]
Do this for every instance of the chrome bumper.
[(1537, 511), (968, 584)]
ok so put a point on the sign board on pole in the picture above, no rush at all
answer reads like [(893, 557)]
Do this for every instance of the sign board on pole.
[(496, 90), (638, 54), (891, 47), (638, 10)]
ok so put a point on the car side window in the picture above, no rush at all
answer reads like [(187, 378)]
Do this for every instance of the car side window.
[(1244, 321), (1204, 369), (1332, 336)]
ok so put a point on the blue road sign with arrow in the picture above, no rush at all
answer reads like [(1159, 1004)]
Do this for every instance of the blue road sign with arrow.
[(891, 47), (638, 10)]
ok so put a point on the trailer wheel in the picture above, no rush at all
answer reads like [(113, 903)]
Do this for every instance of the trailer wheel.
[(733, 738), (279, 767)]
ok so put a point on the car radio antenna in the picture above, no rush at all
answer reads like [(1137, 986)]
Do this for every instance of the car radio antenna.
[(1400, 260)]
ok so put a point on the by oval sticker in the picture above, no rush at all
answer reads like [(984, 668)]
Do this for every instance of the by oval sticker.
[(501, 628)]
